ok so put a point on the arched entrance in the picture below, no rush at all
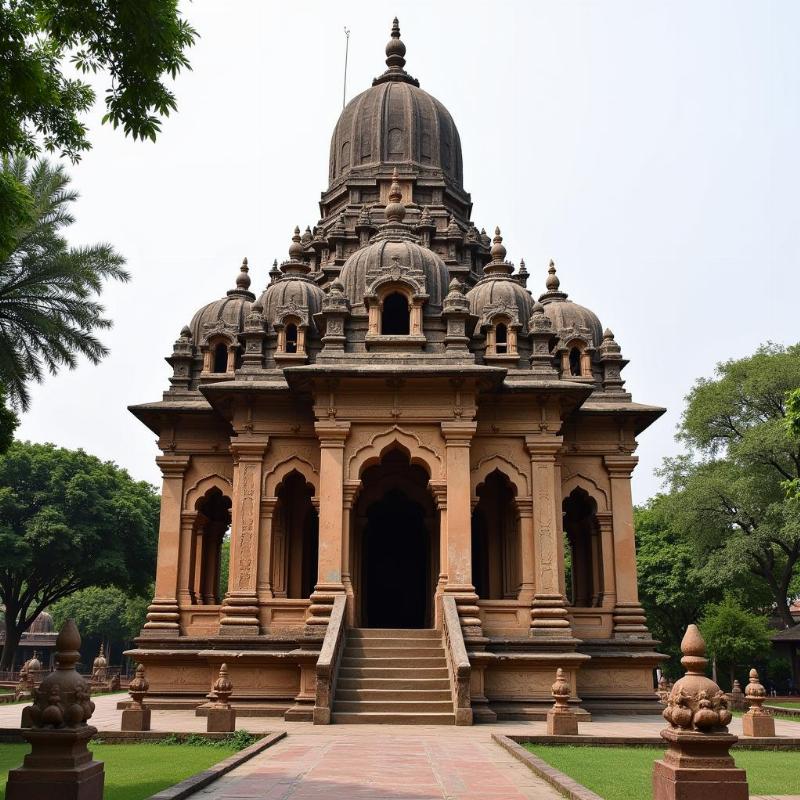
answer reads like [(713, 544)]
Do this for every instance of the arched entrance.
[(396, 546)]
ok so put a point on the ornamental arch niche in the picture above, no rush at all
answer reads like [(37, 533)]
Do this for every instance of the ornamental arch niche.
[(372, 452), (210, 532), (295, 536), (496, 541), (395, 542), (584, 582)]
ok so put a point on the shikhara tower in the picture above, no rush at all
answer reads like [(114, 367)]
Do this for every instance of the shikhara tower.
[(402, 444)]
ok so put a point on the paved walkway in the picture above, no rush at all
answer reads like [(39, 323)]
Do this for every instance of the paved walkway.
[(380, 762)]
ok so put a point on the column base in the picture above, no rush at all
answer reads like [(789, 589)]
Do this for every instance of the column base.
[(239, 616), (562, 723), (549, 617), (319, 612), (135, 719), (468, 611), (163, 618), (758, 724), (630, 622), (221, 719)]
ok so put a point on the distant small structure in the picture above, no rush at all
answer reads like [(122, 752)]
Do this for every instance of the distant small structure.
[(697, 763), (561, 720), (663, 690), (99, 669), (221, 714), (757, 721), (137, 716), (59, 764), (736, 697)]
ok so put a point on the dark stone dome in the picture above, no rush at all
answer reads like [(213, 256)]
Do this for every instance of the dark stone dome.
[(42, 624), (396, 122), (228, 313), (564, 314), (286, 290), (496, 290), (380, 255)]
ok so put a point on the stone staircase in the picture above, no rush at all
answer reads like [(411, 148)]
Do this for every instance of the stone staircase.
[(396, 676)]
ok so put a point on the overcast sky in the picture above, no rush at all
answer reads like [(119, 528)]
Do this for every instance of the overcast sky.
[(650, 148)]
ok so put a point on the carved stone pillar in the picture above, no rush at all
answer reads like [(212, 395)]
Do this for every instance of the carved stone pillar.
[(439, 491), (548, 610), (606, 525), (186, 558), (264, 584), (239, 612), (528, 577), (458, 437), (162, 613), (597, 575), (349, 492), (629, 618), (332, 437)]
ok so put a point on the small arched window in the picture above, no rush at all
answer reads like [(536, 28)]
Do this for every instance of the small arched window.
[(395, 319), (291, 338), (575, 362), (501, 338), (221, 357)]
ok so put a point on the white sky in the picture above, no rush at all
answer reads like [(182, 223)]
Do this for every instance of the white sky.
[(650, 148)]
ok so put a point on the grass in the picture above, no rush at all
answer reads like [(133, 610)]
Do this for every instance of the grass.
[(135, 771), (626, 773), (784, 703)]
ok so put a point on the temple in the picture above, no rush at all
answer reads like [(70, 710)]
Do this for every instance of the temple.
[(421, 470)]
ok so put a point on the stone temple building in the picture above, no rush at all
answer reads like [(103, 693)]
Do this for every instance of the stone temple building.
[(421, 466)]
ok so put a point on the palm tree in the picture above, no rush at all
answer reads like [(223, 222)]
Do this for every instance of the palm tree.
[(48, 290)]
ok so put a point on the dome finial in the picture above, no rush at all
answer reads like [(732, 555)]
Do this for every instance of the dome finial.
[(552, 283), (498, 251), (395, 49), (395, 209), (243, 279), (295, 264)]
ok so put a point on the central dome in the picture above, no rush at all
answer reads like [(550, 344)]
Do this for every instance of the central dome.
[(396, 122)]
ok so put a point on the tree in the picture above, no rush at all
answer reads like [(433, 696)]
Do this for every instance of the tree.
[(68, 521), (48, 305), (137, 44), (8, 422), (728, 493), (734, 635)]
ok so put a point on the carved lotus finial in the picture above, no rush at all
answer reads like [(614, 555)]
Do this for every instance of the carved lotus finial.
[(560, 691), (138, 687), (755, 693), (223, 688)]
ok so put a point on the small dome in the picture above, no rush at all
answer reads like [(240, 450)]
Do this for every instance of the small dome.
[(228, 313), (499, 287), (564, 314), (42, 624), (396, 122), (33, 664), (100, 660), (293, 287)]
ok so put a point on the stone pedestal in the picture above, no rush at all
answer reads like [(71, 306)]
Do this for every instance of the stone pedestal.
[(59, 767), (561, 723), (758, 723), (221, 719), (135, 719), (698, 766)]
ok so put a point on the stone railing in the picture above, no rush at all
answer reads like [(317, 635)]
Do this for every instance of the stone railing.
[(457, 661), (328, 662)]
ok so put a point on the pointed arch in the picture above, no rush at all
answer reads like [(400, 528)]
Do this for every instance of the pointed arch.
[(373, 451), (278, 472), (580, 481), (486, 466), (200, 488)]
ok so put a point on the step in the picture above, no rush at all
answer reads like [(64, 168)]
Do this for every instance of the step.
[(390, 695), (393, 684), (359, 651), (392, 718), (394, 633), (413, 662), (392, 672), (392, 706)]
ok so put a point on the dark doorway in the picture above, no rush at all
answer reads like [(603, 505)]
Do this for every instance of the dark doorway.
[(396, 553), (395, 318)]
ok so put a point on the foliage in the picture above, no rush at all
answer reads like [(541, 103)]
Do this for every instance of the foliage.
[(138, 45), (626, 773), (728, 494), (68, 521), (237, 740), (8, 422), (734, 635), (133, 771), (674, 586), (224, 564), (48, 306), (102, 612)]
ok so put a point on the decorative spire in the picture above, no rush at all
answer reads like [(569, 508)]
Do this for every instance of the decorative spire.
[(243, 279), (553, 285), (498, 265), (306, 235), (295, 265), (498, 251), (395, 59), (395, 210), (274, 273)]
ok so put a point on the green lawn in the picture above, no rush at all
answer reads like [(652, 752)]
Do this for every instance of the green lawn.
[(626, 773), (133, 771), (784, 703)]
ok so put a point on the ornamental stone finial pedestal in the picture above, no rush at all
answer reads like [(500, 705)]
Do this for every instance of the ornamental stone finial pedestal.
[(59, 764), (137, 716), (736, 697), (697, 764), (221, 714), (757, 721), (561, 720)]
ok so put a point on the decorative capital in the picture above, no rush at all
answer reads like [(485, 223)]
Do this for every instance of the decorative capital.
[(543, 447), (458, 433), (173, 466), (332, 433), (620, 466)]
